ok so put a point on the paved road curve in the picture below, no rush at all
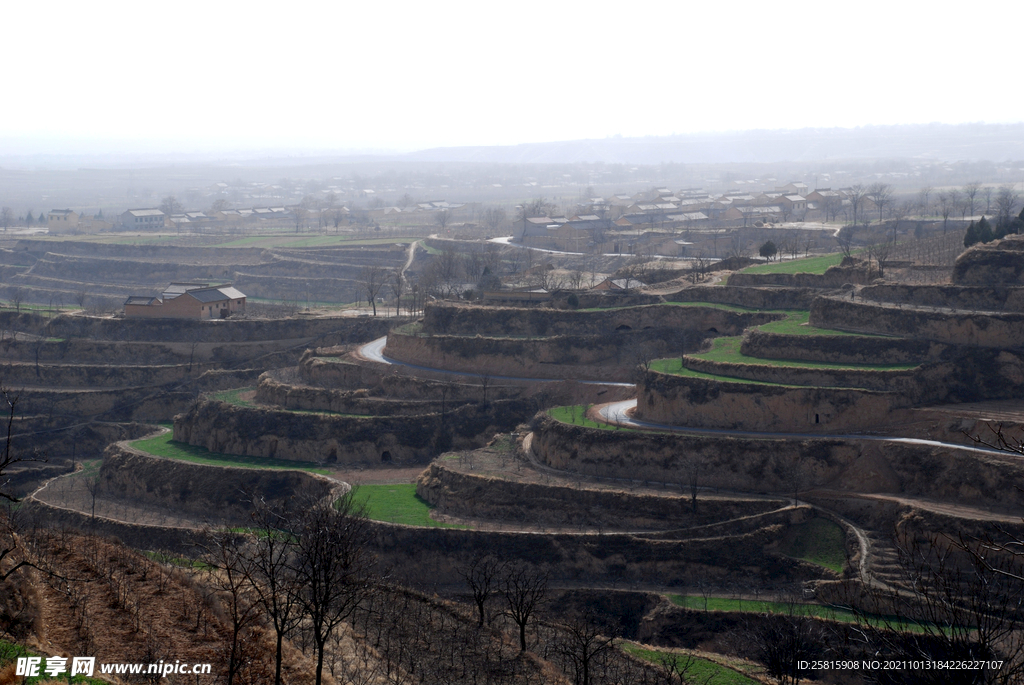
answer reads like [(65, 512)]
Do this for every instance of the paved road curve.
[(616, 413), (374, 351)]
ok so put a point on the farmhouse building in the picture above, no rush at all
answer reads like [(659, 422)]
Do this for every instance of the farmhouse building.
[(143, 218), (62, 220), (188, 301)]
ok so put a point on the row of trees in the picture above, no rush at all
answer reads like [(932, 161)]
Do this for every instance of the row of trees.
[(305, 570), (999, 202)]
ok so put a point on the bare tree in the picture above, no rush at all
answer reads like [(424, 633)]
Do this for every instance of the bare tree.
[(693, 463), (924, 199), (229, 570), (397, 284), (956, 200), (485, 382), (79, 299), (6, 217), (880, 253), (495, 218), (482, 576), (332, 567), (299, 212), (170, 205), (856, 197), (958, 598), (844, 238), (946, 206), (443, 219), (17, 297), (93, 485), (272, 574), (783, 641), (581, 643), (970, 192), (698, 268), (373, 277), (8, 457), (900, 211), (832, 205), (523, 588), (1006, 202), (881, 195), (576, 279)]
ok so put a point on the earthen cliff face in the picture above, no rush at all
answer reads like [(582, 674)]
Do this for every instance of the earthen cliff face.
[(1000, 262)]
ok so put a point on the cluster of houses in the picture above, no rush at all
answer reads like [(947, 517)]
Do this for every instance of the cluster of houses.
[(154, 218), (612, 224)]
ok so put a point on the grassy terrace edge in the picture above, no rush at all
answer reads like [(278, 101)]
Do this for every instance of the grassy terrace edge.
[(727, 350), (806, 265), (701, 670), (820, 611), (165, 446), (397, 503)]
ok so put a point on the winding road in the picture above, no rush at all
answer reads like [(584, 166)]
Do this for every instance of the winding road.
[(374, 352), (619, 413)]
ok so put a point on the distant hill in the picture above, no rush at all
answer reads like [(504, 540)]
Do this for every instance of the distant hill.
[(970, 142)]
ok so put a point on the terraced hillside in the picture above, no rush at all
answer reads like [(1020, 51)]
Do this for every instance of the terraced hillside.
[(45, 270)]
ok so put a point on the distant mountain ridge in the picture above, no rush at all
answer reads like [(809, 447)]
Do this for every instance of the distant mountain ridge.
[(949, 142)]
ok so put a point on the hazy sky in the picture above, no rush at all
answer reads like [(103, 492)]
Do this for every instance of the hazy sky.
[(191, 76)]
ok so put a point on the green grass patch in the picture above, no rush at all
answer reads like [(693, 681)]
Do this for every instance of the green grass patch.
[(754, 606), (576, 415), (727, 350), (807, 265), (700, 670), (182, 562), (163, 446), (818, 541), (674, 366), (397, 503), (234, 397), (796, 323), (414, 328), (711, 305)]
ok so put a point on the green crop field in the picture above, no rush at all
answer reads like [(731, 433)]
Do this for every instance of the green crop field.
[(818, 541), (163, 446), (698, 603), (700, 670), (397, 503), (233, 397), (675, 367), (727, 349), (577, 416), (796, 323), (807, 265)]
